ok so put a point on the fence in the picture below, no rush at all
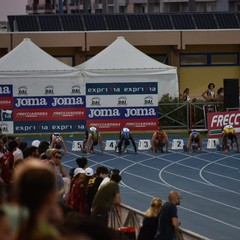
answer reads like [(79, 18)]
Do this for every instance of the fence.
[(186, 115), (124, 216)]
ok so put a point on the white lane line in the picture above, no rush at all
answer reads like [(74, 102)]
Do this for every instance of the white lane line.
[(223, 176), (187, 209), (215, 185), (196, 195)]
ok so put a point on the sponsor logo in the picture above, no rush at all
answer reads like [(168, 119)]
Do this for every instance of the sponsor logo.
[(67, 101), (21, 102), (4, 127), (129, 112), (7, 114), (122, 101), (62, 127), (148, 100), (22, 90), (31, 114), (5, 90), (5, 102), (141, 124), (68, 113), (224, 119), (107, 125), (97, 90), (56, 101), (140, 112), (76, 89), (104, 113), (28, 128), (49, 90), (121, 88), (95, 101)]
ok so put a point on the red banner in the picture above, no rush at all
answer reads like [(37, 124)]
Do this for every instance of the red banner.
[(219, 119), (48, 114), (133, 124), (6, 102)]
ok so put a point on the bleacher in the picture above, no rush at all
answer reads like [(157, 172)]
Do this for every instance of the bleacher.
[(104, 22)]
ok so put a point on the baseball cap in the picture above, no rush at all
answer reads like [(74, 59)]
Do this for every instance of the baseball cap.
[(77, 171), (35, 143), (89, 171)]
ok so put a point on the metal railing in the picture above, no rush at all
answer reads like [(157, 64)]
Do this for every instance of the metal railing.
[(185, 115), (124, 216)]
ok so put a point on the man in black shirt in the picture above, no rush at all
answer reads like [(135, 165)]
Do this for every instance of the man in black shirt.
[(168, 219), (94, 184)]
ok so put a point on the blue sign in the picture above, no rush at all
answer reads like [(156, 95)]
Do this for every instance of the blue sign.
[(121, 88), (6, 91), (123, 112), (49, 126), (50, 102)]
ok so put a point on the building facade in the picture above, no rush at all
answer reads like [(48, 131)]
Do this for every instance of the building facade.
[(129, 6)]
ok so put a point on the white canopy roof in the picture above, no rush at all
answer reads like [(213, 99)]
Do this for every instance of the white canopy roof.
[(28, 57), (122, 55), (122, 62)]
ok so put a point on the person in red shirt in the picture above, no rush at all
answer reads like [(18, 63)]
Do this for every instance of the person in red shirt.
[(159, 140), (7, 161), (77, 195)]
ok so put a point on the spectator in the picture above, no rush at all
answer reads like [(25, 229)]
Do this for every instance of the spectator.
[(59, 170), (35, 143), (77, 194), (57, 141), (194, 137), (85, 228), (2, 148), (168, 219), (126, 135), (92, 138), (6, 232), (107, 178), (42, 148), (186, 96), (56, 161), (209, 93), (159, 140), (220, 94), (2, 193), (82, 162), (229, 133), (107, 196), (19, 153), (150, 221), (7, 162), (93, 185), (31, 152), (35, 189)]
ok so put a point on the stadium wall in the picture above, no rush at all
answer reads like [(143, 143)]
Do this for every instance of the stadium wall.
[(80, 46)]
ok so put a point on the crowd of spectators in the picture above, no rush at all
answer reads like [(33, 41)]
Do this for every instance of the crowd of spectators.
[(208, 95), (40, 200)]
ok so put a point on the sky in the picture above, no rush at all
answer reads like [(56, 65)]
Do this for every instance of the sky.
[(12, 7)]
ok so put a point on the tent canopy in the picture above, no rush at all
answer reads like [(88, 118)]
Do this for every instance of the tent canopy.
[(122, 55), (28, 57), (122, 62)]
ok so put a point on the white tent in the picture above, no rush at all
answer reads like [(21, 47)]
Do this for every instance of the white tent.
[(28, 58), (37, 87), (29, 65), (122, 62)]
